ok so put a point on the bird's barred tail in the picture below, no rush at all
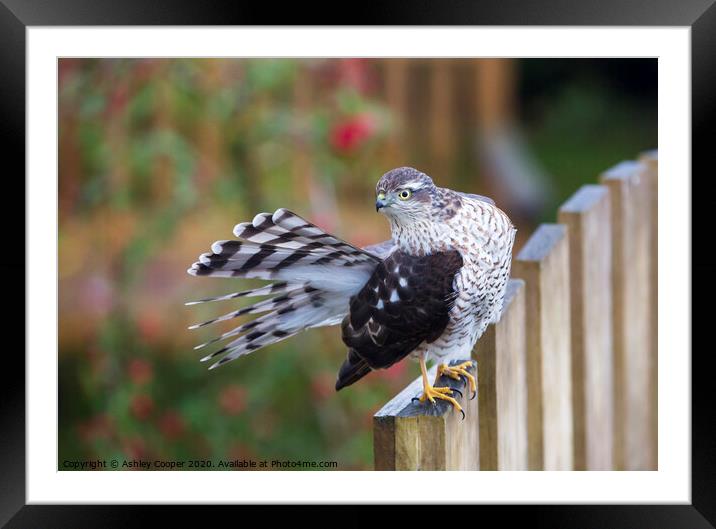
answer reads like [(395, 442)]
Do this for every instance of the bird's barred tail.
[(315, 275)]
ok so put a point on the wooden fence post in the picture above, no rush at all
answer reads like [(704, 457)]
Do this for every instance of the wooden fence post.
[(631, 217), (587, 216), (442, 122), (413, 436), (396, 81), (502, 383), (651, 160), (544, 265), (495, 90)]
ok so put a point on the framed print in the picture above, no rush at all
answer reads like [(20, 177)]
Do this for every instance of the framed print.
[(525, 160)]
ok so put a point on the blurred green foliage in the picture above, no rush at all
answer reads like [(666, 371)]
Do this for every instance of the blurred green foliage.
[(160, 157)]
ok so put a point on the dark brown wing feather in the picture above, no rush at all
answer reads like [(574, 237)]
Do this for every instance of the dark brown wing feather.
[(406, 301)]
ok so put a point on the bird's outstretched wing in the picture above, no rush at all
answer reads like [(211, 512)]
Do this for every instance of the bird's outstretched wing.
[(406, 301), (315, 275)]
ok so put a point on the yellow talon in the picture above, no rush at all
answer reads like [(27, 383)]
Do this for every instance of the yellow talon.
[(431, 392), (456, 371)]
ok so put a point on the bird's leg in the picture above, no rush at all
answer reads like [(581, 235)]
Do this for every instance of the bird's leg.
[(456, 371), (431, 392)]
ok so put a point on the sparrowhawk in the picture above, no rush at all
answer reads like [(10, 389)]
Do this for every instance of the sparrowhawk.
[(429, 292)]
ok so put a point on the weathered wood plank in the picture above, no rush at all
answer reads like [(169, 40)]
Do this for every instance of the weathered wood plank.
[(628, 188), (543, 263), (413, 436), (587, 215), (502, 383), (651, 160)]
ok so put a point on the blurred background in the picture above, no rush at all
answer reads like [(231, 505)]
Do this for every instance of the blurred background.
[(158, 158)]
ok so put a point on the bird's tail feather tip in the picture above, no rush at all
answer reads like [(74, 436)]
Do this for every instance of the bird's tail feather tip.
[(218, 246), (353, 369), (240, 227), (283, 213)]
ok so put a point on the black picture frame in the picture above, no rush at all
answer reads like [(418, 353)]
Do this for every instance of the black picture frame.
[(16, 15)]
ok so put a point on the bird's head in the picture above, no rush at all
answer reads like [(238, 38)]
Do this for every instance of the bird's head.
[(405, 195)]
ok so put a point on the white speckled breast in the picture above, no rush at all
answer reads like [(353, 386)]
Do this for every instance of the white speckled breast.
[(484, 235)]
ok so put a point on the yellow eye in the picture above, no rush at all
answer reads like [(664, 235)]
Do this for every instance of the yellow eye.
[(404, 194)]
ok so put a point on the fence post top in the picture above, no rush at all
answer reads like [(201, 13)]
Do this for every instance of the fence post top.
[(542, 241)]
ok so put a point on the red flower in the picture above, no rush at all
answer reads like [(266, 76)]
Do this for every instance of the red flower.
[(171, 424), (349, 135), (142, 406), (140, 371), (232, 400)]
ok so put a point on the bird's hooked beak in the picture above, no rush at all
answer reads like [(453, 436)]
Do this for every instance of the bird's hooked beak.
[(382, 201)]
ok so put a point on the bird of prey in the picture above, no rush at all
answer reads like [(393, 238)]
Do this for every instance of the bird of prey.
[(429, 292)]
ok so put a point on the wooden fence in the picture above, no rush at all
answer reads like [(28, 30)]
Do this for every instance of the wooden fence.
[(567, 380)]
